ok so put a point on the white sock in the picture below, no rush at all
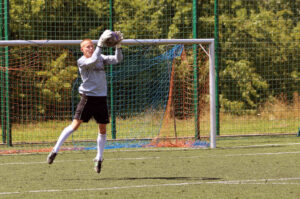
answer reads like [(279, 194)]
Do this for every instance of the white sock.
[(63, 136), (100, 146)]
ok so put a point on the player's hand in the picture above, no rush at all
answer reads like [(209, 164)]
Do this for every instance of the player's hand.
[(105, 35), (120, 38)]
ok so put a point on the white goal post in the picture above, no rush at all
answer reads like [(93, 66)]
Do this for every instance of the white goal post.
[(211, 54)]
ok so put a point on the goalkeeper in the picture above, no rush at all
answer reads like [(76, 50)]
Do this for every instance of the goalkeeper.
[(93, 91)]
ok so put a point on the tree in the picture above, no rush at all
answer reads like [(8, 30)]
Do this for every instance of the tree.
[(261, 38)]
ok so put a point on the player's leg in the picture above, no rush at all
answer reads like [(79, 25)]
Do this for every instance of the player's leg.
[(66, 133), (101, 139), (82, 114), (102, 118), (63, 136)]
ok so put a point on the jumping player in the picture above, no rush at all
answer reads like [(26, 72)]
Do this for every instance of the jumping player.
[(93, 91)]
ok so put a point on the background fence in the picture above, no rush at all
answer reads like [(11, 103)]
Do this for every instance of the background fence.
[(257, 48)]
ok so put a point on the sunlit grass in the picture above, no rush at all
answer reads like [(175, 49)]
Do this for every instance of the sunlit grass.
[(138, 128), (240, 167)]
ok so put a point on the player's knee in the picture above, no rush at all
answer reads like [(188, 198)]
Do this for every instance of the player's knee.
[(75, 124), (75, 128), (102, 129)]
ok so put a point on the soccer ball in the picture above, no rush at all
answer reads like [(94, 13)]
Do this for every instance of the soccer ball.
[(113, 40)]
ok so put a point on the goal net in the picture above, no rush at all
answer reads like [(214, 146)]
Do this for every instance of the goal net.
[(161, 95)]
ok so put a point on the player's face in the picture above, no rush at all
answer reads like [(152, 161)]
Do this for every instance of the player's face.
[(87, 49)]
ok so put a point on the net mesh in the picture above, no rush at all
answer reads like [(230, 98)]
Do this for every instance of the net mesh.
[(152, 96), (179, 115)]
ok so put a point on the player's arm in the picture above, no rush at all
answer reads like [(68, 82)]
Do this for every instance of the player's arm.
[(91, 61), (118, 57), (113, 59)]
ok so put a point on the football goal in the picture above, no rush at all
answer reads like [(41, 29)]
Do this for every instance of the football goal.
[(161, 95)]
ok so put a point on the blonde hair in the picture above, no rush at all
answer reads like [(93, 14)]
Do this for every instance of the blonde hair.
[(84, 40)]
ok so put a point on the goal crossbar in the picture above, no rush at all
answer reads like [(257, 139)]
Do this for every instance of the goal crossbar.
[(124, 42)]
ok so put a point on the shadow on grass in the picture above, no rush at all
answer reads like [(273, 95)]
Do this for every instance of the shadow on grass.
[(153, 178)]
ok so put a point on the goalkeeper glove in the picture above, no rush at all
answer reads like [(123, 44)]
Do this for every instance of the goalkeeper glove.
[(105, 35), (120, 38)]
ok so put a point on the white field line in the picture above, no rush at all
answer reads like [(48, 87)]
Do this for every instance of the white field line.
[(169, 149), (147, 158), (261, 145), (277, 153), (229, 182), (246, 154), (144, 158)]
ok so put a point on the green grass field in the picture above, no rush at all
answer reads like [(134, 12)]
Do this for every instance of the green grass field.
[(244, 167), (139, 128)]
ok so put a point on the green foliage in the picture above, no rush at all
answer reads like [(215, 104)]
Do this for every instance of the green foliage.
[(242, 87), (259, 40), (57, 79), (59, 19), (163, 18), (265, 36)]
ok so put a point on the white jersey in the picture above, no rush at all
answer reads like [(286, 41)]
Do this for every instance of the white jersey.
[(92, 72)]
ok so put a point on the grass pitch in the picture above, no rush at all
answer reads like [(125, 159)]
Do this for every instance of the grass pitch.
[(247, 167)]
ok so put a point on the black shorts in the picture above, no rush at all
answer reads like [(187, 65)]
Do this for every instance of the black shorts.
[(90, 106)]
